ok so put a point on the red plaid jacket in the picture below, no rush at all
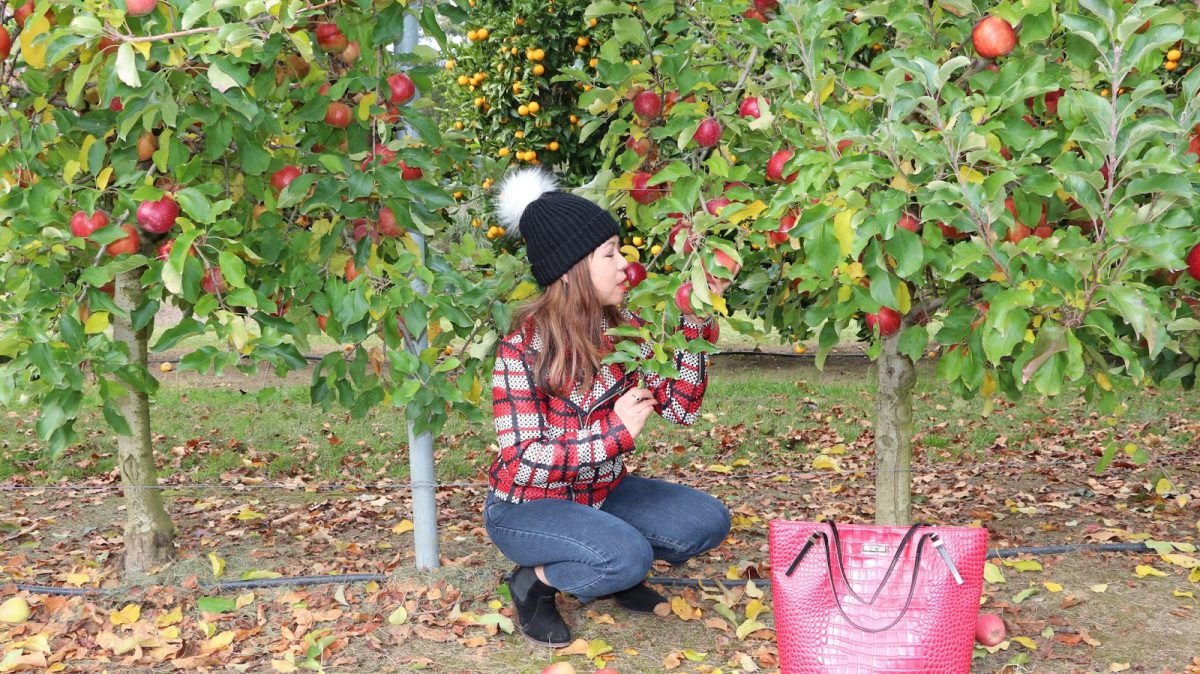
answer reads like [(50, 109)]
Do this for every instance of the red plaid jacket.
[(571, 448)]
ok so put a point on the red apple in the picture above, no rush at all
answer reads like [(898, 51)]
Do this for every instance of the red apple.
[(330, 38), (139, 7), (715, 205), (951, 234), (641, 193), (708, 133), (733, 184), (724, 261), (387, 223), (321, 321), (1019, 230), (5, 43), (130, 244), (635, 273), (684, 227), (765, 6), (993, 37), (1194, 145), (562, 667), (116, 105), (22, 13), (351, 53), (379, 155), (338, 115), (1193, 262), (164, 251), (640, 146), (647, 105), (351, 270), (409, 172), (886, 322), (212, 282), (780, 236), (683, 297), (749, 108), (776, 164), (1043, 231), (284, 177), (755, 15), (1051, 100), (82, 225), (158, 217), (910, 222), (989, 629), (401, 89), (362, 229)]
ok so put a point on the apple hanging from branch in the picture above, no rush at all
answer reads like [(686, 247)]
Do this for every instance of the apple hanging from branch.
[(82, 225), (886, 322), (158, 217), (993, 37)]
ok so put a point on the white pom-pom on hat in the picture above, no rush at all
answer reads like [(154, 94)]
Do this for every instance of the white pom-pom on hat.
[(517, 191)]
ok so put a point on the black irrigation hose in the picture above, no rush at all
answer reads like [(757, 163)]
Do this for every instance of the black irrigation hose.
[(290, 581)]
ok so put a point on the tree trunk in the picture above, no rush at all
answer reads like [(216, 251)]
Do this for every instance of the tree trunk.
[(893, 436), (149, 534)]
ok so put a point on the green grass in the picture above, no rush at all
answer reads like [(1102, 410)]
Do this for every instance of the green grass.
[(752, 408)]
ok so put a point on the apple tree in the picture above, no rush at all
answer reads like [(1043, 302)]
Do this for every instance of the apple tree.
[(1014, 185), (271, 169)]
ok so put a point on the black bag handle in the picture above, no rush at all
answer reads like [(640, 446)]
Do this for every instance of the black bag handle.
[(837, 545), (912, 587)]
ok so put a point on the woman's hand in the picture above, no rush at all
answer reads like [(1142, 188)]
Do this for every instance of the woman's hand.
[(634, 407)]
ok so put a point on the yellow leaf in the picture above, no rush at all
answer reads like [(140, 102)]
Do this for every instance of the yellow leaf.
[(1103, 381), (1025, 565), (219, 642), (1144, 570), (69, 170), (753, 609), (749, 212), (719, 305), (218, 564), (127, 615), (828, 88), (1164, 486), (1181, 560), (524, 289), (631, 254), (172, 617), (245, 599), (903, 299), (169, 632), (248, 514), (577, 647), (993, 574), (739, 463), (1026, 642), (1099, 588), (989, 385), (753, 591), (143, 48), (257, 574), (1183, 593), (1053, 587), (398, 617), (597, 647), (732, 573), (837, 449), (971, 175), (694, 656), (1118, 666), (685, 611), (102, 178), (719, 468), (364, 106), (824, 462), (901, 183), (283, 666), (843, 230), (403, 527), (34, 54), (96, 323), (1194, 576), (749, 627), (977, 113), (77, 579)]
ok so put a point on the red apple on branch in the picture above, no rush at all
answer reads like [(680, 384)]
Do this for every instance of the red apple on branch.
[(708, 133), (83, 225), (647, 105), (401, 89), (350, 54), (635, 273), (1193, 262), (5, 43), (338, 115), (685, 228), (164, 251), (640, 146), (641, 193), (683, 297), (776, 164), (212, 282), (886, 322), (910, 222), (749, 107), (387, 223), (128, 245), (330, 38), (284, 177), (781, 236), (993, 37), (715, 204), (158, 217), (139, 7), (409, 172)]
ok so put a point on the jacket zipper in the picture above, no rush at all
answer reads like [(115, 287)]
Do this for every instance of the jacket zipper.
[(592, 408)]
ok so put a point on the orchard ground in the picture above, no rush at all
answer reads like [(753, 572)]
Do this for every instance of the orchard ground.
[(802, 437)]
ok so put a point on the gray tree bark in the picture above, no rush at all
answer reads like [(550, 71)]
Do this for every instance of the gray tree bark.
[(149, 533), (893, 436)]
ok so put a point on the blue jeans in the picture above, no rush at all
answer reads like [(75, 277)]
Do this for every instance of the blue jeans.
[(591, 552)]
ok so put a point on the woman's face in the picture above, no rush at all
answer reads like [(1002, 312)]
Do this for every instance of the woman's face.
[(608, 272)]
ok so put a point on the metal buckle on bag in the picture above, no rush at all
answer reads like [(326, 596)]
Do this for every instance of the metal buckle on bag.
[(937, 544)]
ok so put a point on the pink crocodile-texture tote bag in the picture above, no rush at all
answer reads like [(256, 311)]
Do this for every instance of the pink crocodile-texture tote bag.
[(851, 599)]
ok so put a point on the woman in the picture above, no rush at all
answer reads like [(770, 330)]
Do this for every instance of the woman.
[(561, 504)]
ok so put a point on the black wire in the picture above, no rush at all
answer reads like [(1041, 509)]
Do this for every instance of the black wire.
[(670, 581)]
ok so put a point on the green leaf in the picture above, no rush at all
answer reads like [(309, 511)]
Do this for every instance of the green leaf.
[(144, 315), (216, 604), (172, 272), (127, 66), (233, 269), (196, 205), (1139, 309), (219, 79)]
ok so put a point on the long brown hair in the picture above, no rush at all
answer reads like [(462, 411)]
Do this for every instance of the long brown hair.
[(567, 316)]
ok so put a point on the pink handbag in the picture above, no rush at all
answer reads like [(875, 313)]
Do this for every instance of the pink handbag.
[(860, 598)]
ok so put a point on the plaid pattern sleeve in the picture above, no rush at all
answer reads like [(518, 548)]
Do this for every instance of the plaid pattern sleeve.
[(679, 399), (544, 452)]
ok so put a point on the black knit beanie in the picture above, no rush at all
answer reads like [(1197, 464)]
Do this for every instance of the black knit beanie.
[(559, 228)]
